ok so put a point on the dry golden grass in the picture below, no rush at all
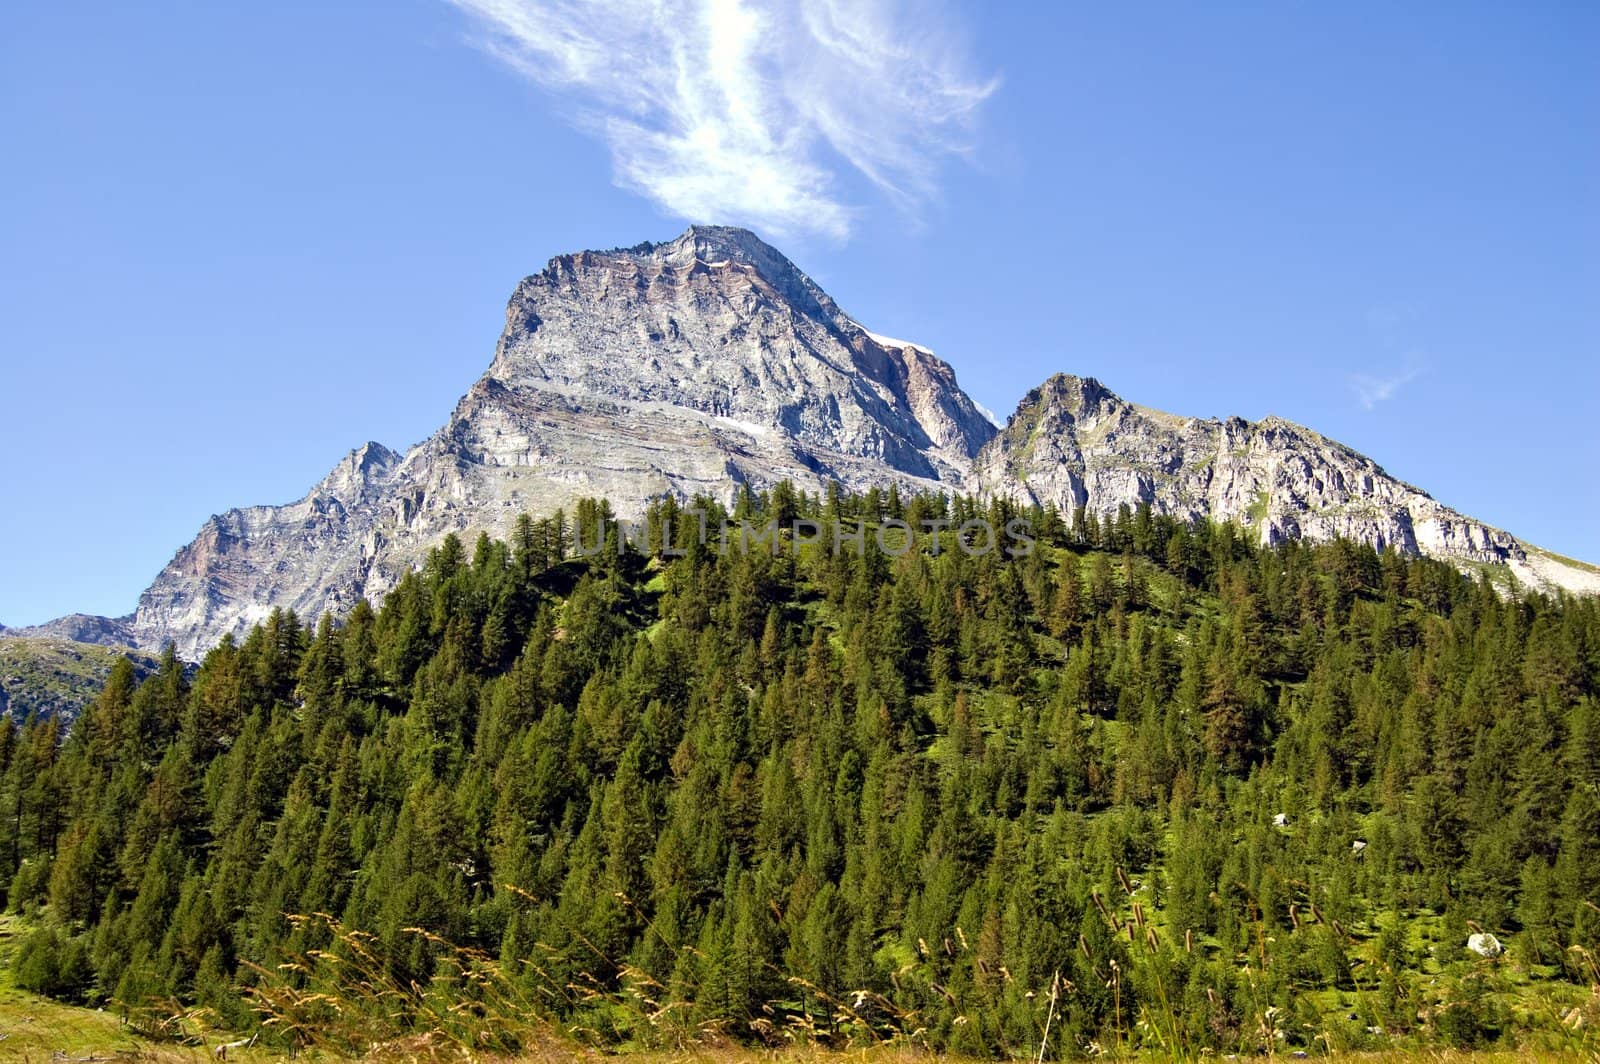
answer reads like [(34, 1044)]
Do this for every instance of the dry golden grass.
[(36, 1031), (342, 1003)]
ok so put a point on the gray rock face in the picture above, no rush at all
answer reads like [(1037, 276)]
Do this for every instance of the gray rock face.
[(679, 368), (313, 556), (711, 361), (1074, 444)]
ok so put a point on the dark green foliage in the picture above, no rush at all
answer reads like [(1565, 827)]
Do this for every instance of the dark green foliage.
[(50, 962), (774, 782)]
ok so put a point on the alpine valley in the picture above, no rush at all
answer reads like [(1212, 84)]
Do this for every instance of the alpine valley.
[(710, 362)]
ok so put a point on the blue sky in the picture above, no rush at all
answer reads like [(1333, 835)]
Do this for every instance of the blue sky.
[(239, 240)]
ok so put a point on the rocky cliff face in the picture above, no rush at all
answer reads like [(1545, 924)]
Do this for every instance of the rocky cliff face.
[(1074, 444), (311, 556), (719, 330), (679, 368), (712, 361)]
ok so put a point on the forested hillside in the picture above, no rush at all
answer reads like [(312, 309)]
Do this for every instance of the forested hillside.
[(1145, 784)]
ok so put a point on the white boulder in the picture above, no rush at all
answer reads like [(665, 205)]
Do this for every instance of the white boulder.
[(1485, 945)]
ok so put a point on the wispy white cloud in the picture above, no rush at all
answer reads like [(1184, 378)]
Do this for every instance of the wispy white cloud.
[(1392, 325), (748, 111), (1372, 390)]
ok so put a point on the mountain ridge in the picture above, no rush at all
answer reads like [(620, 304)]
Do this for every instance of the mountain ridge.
[(1074, 443), (711, 361)]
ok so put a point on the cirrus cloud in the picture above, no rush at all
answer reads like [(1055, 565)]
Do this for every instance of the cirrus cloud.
[(749, 110), (1373, 389)]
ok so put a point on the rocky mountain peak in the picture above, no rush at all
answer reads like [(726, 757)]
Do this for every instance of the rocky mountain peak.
[(721, 247), (729, 254), (1073, 444), (719, 323), (362, 469), (686, 367), (718, 243), (1077, 397)]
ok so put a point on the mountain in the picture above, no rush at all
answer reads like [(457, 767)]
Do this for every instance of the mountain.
[(712, 361), (1072, 443), (677, 368), (79, 628)]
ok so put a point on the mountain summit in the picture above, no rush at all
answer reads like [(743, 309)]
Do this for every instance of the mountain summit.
[(678, 368), (719, 326), (711, 361), (1073, 443)]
